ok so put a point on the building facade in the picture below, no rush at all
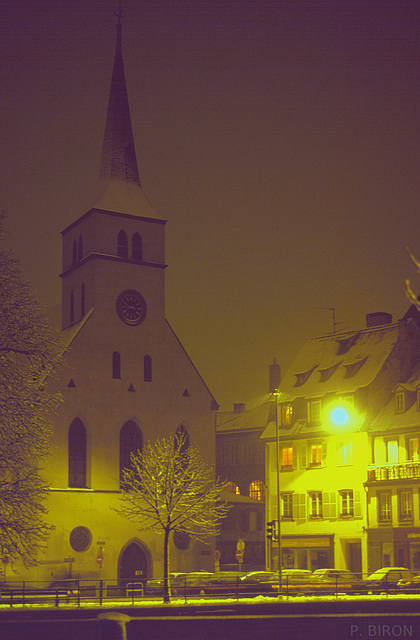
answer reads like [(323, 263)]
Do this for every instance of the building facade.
[(240, 461), (126, 379), (392, 480), (325, 406)]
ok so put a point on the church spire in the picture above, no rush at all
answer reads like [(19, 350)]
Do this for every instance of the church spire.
[(119, 187), (118, 153)]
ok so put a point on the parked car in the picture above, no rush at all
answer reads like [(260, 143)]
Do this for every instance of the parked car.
[(41, 592), (390, 579), (155, 587), (331, 580), (190, 583), (293, 580), (222, 583)]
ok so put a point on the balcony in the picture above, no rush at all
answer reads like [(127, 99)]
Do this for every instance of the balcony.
[(393, 471)]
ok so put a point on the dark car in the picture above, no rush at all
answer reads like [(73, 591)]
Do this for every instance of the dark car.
[(293, 581), (390, 579), (333, 580), (190, 583), (223, 583), (154, 587)]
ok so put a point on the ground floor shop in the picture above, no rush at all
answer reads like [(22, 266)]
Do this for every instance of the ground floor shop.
[(399, 547)]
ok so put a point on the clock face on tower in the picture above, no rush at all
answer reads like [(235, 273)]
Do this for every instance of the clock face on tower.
[(131, 307)]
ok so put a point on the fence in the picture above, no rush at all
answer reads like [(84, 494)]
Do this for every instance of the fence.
[(189, 587)]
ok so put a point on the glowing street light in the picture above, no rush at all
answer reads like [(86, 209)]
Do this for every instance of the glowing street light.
[(339, 415)]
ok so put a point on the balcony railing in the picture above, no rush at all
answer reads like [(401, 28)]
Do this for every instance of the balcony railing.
[(393, 471)]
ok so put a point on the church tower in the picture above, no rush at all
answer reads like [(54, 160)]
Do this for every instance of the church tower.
[(127, 377)]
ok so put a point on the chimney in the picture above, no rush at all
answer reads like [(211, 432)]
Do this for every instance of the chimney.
[(274, 375), (239, 407), (378, 318)]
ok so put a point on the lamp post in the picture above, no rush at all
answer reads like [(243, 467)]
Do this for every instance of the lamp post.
[(276, 393)]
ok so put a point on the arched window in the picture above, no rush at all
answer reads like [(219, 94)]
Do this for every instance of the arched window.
[(116, 365), (147, 366), (257, 490), (136, 247), (131, 441), (77, 454), (182, 440), (74, 251), (232, 487), (82, 299), (80, 248), (122, 249), (71, 307)]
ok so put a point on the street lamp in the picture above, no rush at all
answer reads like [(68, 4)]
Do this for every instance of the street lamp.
[(276, 394)]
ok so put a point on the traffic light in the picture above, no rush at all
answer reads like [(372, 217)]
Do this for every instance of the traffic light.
[(270, 530)]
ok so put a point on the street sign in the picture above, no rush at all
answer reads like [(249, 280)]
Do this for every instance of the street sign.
[(239, 555), (240, 545), (217, 555)]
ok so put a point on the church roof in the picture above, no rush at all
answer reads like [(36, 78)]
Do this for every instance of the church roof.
[(119, 187)]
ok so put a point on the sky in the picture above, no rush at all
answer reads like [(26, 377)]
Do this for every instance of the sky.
[(279, 139)]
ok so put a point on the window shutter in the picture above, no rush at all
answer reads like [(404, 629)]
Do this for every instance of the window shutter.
[(324, 453), (333, 504), (294, 456), (357, 503), (302, 506), (295, 499), (303, 462), (325, 504), (341, 453)]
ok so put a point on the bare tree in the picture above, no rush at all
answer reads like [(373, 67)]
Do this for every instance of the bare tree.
[(168, 488), (409, 292), (29, 353)]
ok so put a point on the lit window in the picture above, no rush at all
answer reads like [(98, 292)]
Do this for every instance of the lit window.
[(232, 487), (77, 454), (405, 505), (286, 505), (347, 503), (384, 506), (400, 402), (345, 453), (122, 245), (315, 504), (286, 457), (392, 451), (316, 455), (314, 410), (413, 449), (257, 490), (286, 414)]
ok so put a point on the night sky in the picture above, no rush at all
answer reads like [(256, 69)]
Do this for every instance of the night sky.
[(279, 139)]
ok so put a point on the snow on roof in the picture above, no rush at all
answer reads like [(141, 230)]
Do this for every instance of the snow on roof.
[(339, 363), (256, 418)]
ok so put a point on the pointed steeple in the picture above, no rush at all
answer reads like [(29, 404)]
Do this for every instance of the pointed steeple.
[(119, 187), (118, 153)]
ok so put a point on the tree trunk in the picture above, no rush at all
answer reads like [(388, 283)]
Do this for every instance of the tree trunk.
[(166, 595)]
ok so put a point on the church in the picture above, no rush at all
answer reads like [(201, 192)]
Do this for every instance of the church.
[(126, 378)]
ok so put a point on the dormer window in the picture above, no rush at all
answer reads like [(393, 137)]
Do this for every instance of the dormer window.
[(354, 367), (400, 402), (325, 374), (303, 376), (314, 410), (286, 414), (346, 344)]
